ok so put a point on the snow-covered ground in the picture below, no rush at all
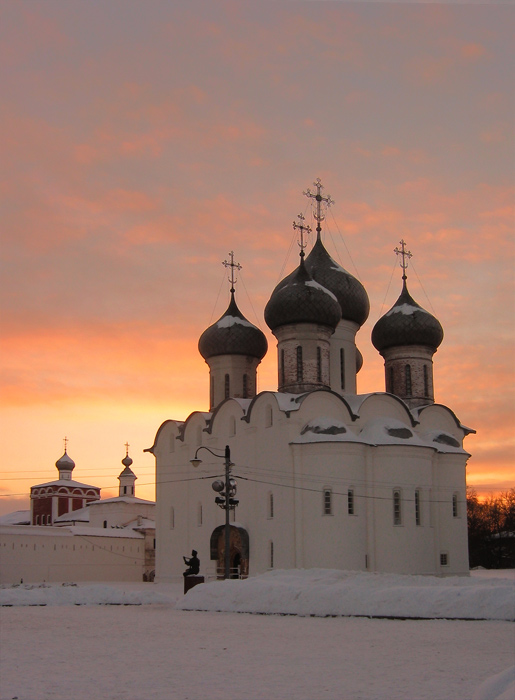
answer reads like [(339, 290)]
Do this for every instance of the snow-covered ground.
[(138, 641)]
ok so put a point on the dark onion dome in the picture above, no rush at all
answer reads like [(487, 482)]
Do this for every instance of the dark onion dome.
[(232, 334), (407, 323), (349, 291), (299, 299), (65, 462), (359, 360), (126, 461)]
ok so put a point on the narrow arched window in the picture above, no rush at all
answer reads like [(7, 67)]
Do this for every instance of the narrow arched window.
[(172, 518), (105, 523), (281, 369), (319, 364), (426, 381), (271, 555), (124, 490), (199, 515), (211, 391), (407, 374), (350, 501), (227, 386), (245, 386), (397, 512), (342, 369), (454, 505), (270, 505), (418, 519), (300, 369)]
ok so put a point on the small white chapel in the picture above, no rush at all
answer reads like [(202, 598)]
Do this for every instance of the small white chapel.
[(322, 477)]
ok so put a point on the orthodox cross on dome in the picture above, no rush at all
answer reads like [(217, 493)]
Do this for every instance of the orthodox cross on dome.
[(405, 256), (319, 198), (234, 266), (65, 445), (301, 228), (126, 449)]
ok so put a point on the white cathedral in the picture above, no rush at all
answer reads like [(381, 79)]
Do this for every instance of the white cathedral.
[(325, 477)]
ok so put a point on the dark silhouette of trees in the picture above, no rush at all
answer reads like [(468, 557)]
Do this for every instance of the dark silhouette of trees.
[(491, 530)]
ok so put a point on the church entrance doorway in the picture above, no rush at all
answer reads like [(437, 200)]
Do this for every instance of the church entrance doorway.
[(238, 551)]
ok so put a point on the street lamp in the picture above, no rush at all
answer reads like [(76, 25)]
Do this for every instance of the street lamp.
[(226, 500)]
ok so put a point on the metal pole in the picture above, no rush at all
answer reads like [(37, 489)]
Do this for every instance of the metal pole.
[(227, 511)]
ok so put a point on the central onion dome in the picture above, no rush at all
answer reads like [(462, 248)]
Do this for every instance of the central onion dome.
[(407, 323), (300, 299), (349, 291), (232, 334)]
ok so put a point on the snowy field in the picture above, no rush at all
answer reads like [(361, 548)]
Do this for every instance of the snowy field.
[(133, 642)]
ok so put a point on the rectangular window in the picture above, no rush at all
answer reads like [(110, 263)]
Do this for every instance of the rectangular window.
[(454, 505), (417, 507), (245, 386), (319, 364), (271, 555), (270, 505), (426, 381), (227, 386), (350, 502), (328, 505), (342, 369), (397, 512), (172, 518), (444, 559)]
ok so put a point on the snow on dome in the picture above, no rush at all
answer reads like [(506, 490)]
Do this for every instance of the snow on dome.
[(232, 334), (406, 323), (299, 299), (349, 291)]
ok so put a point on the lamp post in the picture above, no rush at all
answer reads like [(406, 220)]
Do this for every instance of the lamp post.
[(225, 500)]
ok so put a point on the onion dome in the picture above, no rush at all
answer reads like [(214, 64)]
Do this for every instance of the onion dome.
[(349, 291), (407, 323), (232, 334), (127, 461), (359, 360), (299, 299), (65, 462)]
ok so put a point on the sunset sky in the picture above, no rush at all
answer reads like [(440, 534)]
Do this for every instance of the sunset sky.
[(143, 141)]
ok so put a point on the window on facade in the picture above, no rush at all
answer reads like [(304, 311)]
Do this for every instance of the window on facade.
[(397, 512), (227, 386), (328, 502), (407, 375), (245, 386), (342, 369), (105, 523), (270, 505), (350, 502), (211, 391), (426, 381), (300, 369), (271, 555), (392, 390), (444, 559), (269, 416), (319, 364), (199, 514), (172, 518), (454, 505), (417, 507), (124, 490)]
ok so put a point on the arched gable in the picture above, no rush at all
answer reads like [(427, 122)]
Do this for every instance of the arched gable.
[(165, 428), (439, 417), (221, 416), (325, 403), (381, 404), (197, 421)]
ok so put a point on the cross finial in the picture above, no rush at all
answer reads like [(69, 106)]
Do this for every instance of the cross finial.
[(234, 266), (127, 449), (301, 228), (65, 445), (405, 256), (319, 198)]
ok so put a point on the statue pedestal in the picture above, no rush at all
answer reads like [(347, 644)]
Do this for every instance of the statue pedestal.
[(191, 581)]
